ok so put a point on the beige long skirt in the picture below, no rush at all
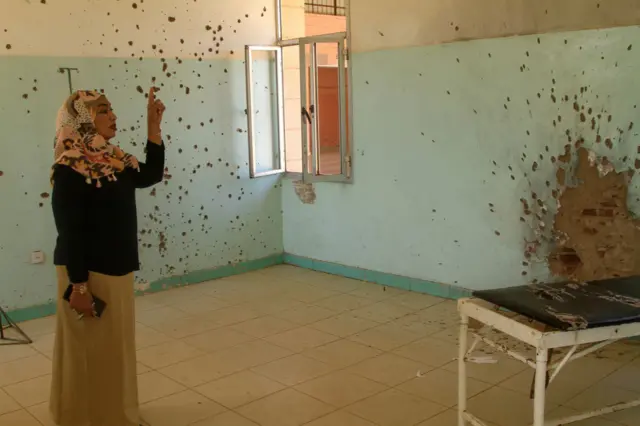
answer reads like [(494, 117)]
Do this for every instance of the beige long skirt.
[(94, 360)]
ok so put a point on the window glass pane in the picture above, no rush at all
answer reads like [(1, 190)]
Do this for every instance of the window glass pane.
[(266, 132)]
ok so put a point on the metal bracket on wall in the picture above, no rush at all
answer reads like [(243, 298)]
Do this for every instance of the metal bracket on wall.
[(68, 70), (7, 323)]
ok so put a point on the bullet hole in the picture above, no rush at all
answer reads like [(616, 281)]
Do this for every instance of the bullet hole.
[(208, 28), (497, 233), (1, 173), (630, 47), (457, 28), (139, 89), (134, 5), (381, 33), (553, 98), (44, 195), (172, 19), (609, 143), (8, 46), (25, 96)]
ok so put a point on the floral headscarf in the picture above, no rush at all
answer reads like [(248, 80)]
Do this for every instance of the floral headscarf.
[(80, 147)]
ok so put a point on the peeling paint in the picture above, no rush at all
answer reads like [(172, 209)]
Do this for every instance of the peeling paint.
[(305, 192)]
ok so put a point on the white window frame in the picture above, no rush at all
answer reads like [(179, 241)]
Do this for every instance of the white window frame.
[(280, 154), (310, 118)]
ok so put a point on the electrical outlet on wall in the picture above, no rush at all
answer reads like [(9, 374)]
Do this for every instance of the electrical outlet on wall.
[(37, 257)]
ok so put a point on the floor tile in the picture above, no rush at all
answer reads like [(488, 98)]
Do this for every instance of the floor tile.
[(276, 304), (141, 368), (448, 418), (389, 369), (342, 353), (562, 412), (10, 353), (382, 312), (24, 369), (18, 418), (201, 305), (344, 325), (264, 327), (628, 377), (216, 340), (153, 385), (39, 327), (301, 339), (147, 336), (430, 351), (31, 392), (340, 418), (44, 344), (159, 315), (601, 396), (341, 388), (201, 370), (184, 327), (205, 369), (344, 302), (335, 282), (42, 414), (386, 337), (7, 403), (574, 379), (226, 419), (417, 324), (441, 386), (166, 354), (306, 314), (293, 370), (514, 409), (180, 409), (286, 408), (502, 370), (239, 389), (311, 294), (395, 408), (416, 301), (231, 315), (287, 346), (377, 292)]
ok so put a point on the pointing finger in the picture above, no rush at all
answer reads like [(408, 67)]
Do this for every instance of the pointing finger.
[(152, 96)]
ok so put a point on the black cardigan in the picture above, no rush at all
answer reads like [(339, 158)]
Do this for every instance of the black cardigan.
[(98, 227)]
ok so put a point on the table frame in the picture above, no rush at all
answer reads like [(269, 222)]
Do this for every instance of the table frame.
[(543, 341)]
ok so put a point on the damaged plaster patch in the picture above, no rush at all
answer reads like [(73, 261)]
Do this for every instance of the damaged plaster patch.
[(305, 192), (596, 237)]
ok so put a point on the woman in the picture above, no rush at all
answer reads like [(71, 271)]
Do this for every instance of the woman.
[(94, 363)]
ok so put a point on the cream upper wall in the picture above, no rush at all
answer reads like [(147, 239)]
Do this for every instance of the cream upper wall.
[(96, 28), (384, 24)]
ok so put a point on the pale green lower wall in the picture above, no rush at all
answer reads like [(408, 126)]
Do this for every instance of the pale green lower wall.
[(441, 133), (208, 215)]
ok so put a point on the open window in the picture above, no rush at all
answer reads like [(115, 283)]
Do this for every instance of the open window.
[(265, 114), (324, 107), (298, 108)]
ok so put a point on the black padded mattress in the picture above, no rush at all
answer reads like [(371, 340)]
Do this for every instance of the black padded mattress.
[(571, 305)]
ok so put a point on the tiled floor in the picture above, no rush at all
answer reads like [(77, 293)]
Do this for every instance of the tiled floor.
[(286, 346)]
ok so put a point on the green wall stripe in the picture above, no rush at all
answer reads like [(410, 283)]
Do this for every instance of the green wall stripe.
[(405, 283), (39, 311)]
